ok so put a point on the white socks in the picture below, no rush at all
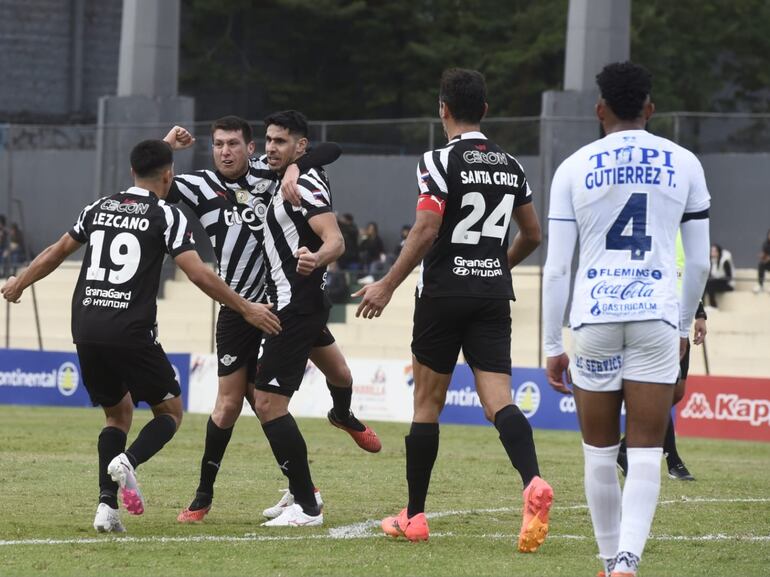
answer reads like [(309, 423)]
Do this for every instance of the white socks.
[(603, 495), (622, 538), (640, 499)]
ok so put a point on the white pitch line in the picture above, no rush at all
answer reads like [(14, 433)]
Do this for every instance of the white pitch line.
[(362, 530)]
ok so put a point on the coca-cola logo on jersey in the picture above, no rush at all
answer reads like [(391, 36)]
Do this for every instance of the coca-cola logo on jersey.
[(478, 157)]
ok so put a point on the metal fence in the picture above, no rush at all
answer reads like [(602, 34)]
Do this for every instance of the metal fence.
[(703, 133)]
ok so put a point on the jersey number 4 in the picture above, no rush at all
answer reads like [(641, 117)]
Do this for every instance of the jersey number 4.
[(125, 253), (462, 234), (634, 213)]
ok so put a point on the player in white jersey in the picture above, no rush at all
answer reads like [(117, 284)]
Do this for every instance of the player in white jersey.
[(624, 196)]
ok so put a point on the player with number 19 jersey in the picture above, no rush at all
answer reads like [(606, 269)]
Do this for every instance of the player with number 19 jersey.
[(628, 193), (468, 258), (127, 236)]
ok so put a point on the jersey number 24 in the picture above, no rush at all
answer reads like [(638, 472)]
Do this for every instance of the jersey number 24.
[(462, 234)]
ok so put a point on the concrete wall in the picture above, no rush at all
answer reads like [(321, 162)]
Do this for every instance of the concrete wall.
[(54, 185), (57, 56)]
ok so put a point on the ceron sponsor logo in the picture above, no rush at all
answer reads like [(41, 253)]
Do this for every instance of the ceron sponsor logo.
[(129, 206), (479, 157)]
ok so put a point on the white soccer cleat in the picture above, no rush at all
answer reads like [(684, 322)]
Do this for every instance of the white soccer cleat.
[(107, 520), (286, 501), (122, 472), (758, 289), (294, 516)]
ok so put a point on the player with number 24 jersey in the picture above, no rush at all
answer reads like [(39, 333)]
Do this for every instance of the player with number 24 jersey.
[(469, 255)]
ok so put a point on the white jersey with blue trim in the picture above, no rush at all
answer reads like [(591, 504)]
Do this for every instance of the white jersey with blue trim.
[(628, 193)]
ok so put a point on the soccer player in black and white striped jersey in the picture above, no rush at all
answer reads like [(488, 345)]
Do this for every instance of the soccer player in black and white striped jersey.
[(231, 202), (299, 242), (113, 317)]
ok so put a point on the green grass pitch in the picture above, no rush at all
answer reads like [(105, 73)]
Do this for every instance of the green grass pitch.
[(718, 525)]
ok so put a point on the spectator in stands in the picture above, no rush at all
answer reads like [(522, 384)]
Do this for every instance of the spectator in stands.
[(350, 258), (764, 264), (337, 284), (373, 255), (404, 233), (13, 253), (721, 274)]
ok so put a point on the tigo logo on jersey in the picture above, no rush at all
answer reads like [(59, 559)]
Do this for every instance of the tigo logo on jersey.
[(67, 379), (528, 398)]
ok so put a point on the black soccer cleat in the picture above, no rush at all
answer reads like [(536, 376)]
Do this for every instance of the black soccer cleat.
[(680, 472)]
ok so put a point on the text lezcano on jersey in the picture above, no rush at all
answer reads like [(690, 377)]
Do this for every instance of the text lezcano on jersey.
[(127, 236), (476, 186), (628, 193)]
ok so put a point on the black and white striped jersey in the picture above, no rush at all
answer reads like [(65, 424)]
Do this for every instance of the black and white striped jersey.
[(127, 236), (475, 185), (232, 213), (287, 229)]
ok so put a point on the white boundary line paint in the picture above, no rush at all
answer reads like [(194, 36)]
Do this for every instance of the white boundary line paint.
[(362, 531)]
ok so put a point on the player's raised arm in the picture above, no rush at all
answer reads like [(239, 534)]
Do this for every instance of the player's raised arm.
[(43, 265), (206, 279), (179, 138)]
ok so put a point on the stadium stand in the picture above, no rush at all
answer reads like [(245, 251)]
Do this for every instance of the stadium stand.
[(736, 343)]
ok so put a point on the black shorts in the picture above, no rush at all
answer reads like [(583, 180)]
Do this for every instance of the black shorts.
[(684, 364), (237, 344), (284, 356), (481, 327), (109, 372)]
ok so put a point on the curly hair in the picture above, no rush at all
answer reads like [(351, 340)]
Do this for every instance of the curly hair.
[(625, 86)]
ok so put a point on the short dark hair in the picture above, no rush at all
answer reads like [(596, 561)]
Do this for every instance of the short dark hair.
[(465, 92), (625, 86), (233, 124), (150, 157), (292, 120)]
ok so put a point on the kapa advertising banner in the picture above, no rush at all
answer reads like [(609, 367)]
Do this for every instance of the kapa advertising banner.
[(725, 408), (54, 378)]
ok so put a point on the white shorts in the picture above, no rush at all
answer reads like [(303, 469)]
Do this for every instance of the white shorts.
[(606, 354)]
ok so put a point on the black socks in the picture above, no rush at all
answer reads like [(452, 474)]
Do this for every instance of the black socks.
[(217, 440), (421, 451), (341, 397), (151, 439), (290, 453), (112, 442), (516, 436)]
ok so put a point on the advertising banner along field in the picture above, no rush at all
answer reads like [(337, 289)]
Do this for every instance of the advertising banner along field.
[(713, 407)]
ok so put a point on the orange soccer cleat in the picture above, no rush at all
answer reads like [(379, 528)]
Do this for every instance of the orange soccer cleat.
[(414, 528), (538, 497)]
